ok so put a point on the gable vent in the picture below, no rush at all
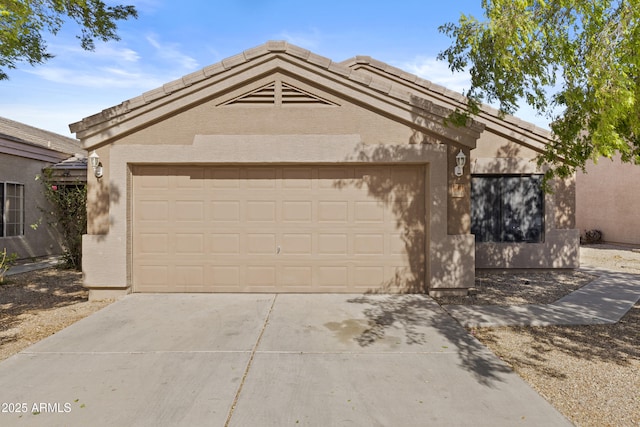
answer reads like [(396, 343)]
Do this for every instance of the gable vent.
[(263, 96), (293, 95), (278, 93)]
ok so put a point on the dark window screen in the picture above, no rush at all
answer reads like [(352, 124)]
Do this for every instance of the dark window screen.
[(507, 208)]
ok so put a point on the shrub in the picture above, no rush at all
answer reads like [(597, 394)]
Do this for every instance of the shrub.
[(592, 236), (6, 262), (67, 212)]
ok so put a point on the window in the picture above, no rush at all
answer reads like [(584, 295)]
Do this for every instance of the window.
[(12, 209), (507, 208)]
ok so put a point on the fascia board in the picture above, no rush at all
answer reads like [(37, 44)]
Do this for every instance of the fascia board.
[(29, 151)]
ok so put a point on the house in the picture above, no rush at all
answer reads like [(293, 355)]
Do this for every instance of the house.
[(605, 205), (24, 152), (279, 170)]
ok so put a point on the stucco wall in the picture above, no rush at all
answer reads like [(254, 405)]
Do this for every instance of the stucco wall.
[(608, 199), (450, 258), (43, 240)]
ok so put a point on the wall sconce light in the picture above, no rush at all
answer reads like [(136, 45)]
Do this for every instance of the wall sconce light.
[(461, 159), (94, 161)]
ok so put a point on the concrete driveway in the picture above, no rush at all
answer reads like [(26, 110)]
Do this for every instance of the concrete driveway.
[(266, 360)]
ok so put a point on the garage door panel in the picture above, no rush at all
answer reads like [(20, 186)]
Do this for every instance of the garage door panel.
[(153, 243), (261, 243), (368, 244), (152, 210), (333, 243), (190, 278), (296, 277), (261, 177), (189, 210), (225, 243), (369, 211), (225, 277), (301, 178), (261, 276), (225, 210), (297, 211), (261, 211), (296, 243), (277, 229), (152, 278), (189, 243), (334, 211)]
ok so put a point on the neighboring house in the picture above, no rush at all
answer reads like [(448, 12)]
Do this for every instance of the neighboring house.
[(24, 152), (278, 170), (608, 200)]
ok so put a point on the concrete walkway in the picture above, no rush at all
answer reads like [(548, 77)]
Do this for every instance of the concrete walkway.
[(267, 360), (40, 264), (603, 301)]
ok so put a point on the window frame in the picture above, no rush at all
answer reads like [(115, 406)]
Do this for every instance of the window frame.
[(9, 220), (499, 230)]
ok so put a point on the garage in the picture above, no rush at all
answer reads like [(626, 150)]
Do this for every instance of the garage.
[(278, 228)]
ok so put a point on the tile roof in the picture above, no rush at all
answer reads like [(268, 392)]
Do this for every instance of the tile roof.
[(20, 132), (347, 69)]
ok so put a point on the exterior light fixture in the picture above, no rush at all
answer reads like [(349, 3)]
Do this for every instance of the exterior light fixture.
[(460, 161), (94, 161)]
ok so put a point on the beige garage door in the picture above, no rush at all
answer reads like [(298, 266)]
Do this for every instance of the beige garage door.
[(278, 228)]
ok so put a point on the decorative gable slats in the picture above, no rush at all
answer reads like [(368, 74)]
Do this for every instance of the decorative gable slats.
[(278, 93), (293, 95), (263, 96)]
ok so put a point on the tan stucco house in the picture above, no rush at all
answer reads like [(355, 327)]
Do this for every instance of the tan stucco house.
[(279, 170), (24, 152)]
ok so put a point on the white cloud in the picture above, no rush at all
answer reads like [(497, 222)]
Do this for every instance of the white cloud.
[(309, 40), (171, 52), (103, 51), (101, 77), (437, 72)]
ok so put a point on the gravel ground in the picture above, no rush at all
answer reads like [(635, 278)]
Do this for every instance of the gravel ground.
[(40, 303), (589, 373)]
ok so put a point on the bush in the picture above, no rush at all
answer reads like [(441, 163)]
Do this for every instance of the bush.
[(67, 212), (592, 236), (6, 262)]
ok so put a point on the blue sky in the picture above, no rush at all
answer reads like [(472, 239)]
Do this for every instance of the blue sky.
[(171, 39)]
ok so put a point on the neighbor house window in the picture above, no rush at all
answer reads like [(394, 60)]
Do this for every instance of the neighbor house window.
[(12, 209), (507, 208)]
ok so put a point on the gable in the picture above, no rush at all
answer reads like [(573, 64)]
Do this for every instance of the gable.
[(276, 75)]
